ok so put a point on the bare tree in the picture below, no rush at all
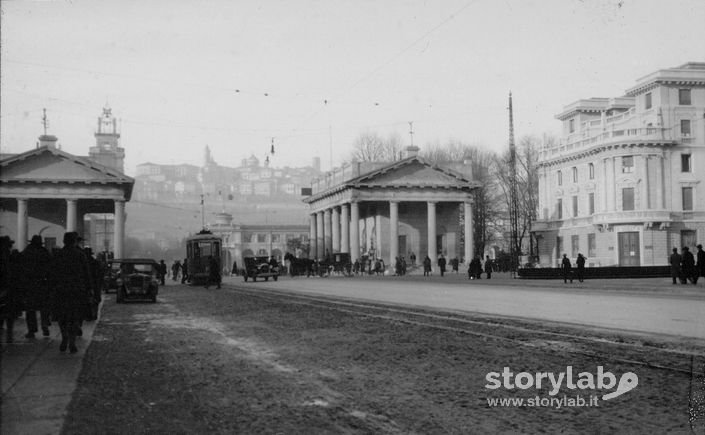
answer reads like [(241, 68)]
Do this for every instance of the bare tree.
[(527, 189), (371, 147)]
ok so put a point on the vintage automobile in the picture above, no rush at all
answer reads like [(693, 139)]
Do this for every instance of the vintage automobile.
[(138, 278), (111, 275), (259, 267)]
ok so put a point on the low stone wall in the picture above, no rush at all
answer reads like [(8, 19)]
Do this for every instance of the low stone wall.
[(612, 272)]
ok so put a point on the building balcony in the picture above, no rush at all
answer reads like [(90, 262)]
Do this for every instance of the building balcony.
[(611, 136), (607, 219)]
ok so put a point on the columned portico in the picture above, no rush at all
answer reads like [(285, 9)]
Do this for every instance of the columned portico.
[(313, 249), (22, 224), (404, 206), (393, 231), (431, 220), (354, 231), (119, 233), (71, 215), (335, 230), (320, 246), (344, 228)]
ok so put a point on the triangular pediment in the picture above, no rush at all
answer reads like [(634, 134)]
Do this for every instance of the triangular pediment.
[(412, 173), (52, 165)]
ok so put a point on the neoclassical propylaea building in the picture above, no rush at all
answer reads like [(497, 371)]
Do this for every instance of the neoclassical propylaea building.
[(46, 191), (626, 183), (385, 210)]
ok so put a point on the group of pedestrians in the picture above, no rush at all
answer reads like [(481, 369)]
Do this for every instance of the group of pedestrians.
[(687, 267), (64, 286), (475, 268), (567, 268)]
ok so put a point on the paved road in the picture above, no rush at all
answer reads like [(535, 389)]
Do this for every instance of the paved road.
[(648, 306)]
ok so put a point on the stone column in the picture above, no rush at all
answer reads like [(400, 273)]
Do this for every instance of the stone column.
[(393, 232), (71, 215), (22, 224), (431, 219), (659, 183), (327, 239), (335, 231), (119, 233), (645, 185), (312, 235), (469, 239), (319, 235), (354, 231), (344, 228)]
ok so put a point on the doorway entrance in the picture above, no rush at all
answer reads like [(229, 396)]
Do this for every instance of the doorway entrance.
[(629, 248)]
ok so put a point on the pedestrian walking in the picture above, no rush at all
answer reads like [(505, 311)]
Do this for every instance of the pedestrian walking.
[(426, 266), (700, 266), (70, 284), (184, 271), (580, 262), (412, 258), (234, 269), (96, 280), (35, 286), (687, 266), (442, 264), (214, 276), (162, 272), (488, 267), (10, 298), (175, 269), (454, 263), (675, 261), (567, 269)]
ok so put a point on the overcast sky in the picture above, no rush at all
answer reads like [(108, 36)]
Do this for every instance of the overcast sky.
[(232, 74)]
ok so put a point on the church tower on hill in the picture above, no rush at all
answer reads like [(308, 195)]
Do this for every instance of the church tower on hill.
[(107, 150)]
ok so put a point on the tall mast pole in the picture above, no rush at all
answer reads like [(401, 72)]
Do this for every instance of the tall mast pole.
[(515, 249)]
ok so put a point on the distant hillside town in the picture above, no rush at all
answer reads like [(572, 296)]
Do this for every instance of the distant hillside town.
[(252, 180)]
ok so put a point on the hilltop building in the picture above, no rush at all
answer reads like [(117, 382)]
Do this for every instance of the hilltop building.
[(251, 180), (626, 183)]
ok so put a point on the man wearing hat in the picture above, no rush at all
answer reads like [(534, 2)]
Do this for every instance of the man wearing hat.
[(35, 271), (9, 299), (700, 266)]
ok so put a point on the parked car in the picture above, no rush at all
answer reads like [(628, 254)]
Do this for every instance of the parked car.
[(138, 278), (260, 267)]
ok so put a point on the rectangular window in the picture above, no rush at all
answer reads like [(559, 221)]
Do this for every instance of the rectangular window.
[(627, 164), (685, 162), (592, 245), (575, 174), (591, 203), (591, 171), (574, 245), (648, 100), (559, 247), (685, 127), (684, 97), (628, 198), (575, 206), (560, 178), (571, 126), (276, 238), (559, 208), (687, 193), (261, 238), (688, 238)]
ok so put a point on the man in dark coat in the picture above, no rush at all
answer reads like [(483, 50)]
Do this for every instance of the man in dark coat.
[(71, 286), (162, 272), (442, 264), (488, 267), (687, 265), (700, 266), (214, 276), (426, 266), (10, 303), (567, 269), (675, 261), (184, 271), (580, 262), (35, 284)]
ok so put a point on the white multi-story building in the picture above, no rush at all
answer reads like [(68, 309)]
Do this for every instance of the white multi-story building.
[(626, 183)]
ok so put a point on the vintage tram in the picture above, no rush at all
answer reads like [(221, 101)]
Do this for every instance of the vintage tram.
[(199, 248)]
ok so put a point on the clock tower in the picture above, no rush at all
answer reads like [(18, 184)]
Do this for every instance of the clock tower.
[(107, 150)]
